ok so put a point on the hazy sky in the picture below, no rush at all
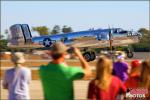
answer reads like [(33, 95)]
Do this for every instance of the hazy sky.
[(79, 15)]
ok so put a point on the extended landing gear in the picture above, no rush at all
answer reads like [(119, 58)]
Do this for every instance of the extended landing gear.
[(89, 56), (130, 54)]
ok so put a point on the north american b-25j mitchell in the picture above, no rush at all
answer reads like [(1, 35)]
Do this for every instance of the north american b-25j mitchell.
[(21, 37)]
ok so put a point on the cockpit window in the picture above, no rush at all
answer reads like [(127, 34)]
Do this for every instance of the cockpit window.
[(119, 31)]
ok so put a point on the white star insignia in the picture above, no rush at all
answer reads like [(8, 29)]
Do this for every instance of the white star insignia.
[(47, 42)]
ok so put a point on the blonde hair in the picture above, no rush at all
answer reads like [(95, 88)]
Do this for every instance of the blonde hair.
[(17, 57), (145, 74), (103, 72)]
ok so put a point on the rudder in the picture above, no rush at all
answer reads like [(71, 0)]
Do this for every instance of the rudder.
[(20, 35), (16, 35)]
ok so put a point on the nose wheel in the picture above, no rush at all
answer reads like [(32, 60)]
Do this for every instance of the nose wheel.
[(130, 54), (89, 56)]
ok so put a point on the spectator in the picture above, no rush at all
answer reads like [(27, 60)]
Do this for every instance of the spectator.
[(57, 78), (17, 79), (105, 86), (145, 74), (141, 82), (121, 68), (135, 68), (132, 82), (142, 79)]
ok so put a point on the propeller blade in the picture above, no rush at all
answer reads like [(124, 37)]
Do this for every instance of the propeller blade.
[(110, 33)]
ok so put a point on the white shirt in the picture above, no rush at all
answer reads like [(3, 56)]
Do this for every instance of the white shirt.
[(16, 80)]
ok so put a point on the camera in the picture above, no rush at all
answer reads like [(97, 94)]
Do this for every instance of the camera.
[(70, 50)]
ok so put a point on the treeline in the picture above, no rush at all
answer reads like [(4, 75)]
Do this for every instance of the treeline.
[(43, 30), (144, 44)]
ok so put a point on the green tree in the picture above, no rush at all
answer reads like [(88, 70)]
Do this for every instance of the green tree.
[(66, 29), (56, 29), (1, 36), (145, 35), (42, 30), (4, 35), (3, 45), (143, 45), (6, 31)]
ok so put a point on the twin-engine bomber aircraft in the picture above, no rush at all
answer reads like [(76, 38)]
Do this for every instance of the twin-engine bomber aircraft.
[(21, 37)]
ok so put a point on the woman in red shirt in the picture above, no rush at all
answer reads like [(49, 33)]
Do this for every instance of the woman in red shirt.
[(105, 86), (140, 75), (134, 77), (140, 78), (145, 74)]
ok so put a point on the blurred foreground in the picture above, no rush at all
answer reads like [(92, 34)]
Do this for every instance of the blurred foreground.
[(36, 91), (34, 61)]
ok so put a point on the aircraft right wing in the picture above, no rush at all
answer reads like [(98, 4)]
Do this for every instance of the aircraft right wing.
[(104, 43)]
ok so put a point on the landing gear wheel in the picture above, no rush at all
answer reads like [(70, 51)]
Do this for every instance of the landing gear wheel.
[(47, 42), (93, 56), (87, 56), (130, 54)]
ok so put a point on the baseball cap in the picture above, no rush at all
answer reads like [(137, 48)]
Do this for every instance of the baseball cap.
[(59, 47), (18, 57), (135, 63), (120, 57)]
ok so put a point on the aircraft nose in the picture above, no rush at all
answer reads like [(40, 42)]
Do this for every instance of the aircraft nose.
[(135, 33), (139, 34)]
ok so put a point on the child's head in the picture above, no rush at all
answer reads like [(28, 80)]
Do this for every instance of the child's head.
[(135, 63), (135, 66)]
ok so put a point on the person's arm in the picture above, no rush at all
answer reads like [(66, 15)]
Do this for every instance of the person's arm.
[(123, 90), (5, 82), (26, 75), (127, 68), (85, 65), (29, 76)]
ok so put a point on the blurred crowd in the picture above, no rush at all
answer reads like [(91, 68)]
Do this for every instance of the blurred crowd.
[(117, 80)]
